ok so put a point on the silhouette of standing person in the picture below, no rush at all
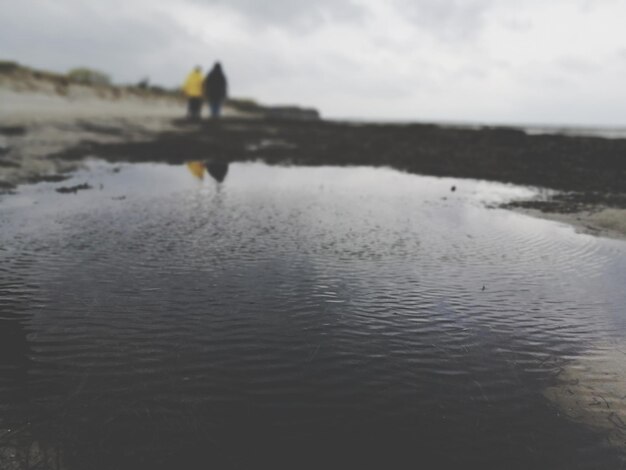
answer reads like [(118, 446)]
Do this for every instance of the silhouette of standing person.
[(215, 89), (193, 91)]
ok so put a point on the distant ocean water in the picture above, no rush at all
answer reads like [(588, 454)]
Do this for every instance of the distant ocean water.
[(607, 132)]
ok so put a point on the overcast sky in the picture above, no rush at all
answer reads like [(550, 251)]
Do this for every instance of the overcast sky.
[(494, 61)]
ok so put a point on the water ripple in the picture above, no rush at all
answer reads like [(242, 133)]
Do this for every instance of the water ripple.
[(321, 304)]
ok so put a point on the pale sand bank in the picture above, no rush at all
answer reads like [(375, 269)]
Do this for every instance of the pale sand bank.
[(35, 125), (592, 391), (601, 221)]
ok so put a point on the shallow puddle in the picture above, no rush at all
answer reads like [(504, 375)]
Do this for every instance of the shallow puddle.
[(301, 317)]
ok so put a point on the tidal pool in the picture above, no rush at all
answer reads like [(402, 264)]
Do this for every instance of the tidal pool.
[(304, 317)]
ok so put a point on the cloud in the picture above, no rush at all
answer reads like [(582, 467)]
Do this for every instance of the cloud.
[(290, 14), (448, 20), (120, 38), (477, 60), (576, 65)]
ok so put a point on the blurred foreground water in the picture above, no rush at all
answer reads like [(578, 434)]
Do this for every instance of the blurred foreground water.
[(300, 317)]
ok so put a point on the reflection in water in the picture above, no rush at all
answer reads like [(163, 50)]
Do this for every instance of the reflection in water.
[(305, 316), (196, 168), (217, 170)]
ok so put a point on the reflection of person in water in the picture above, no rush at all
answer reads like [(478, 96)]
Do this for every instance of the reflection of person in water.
[(196, 168), (193, 91), (217, 170), (215, 89)]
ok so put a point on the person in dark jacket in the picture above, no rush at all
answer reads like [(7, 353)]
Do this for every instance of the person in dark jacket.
[(215, 89)]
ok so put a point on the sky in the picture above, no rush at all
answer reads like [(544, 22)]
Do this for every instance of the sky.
[(558, 62)]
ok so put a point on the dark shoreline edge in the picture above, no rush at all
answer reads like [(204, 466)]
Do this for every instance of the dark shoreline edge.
[(585, 171)]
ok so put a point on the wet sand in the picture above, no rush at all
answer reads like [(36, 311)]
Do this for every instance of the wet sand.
[(593, 166), (591, 390)]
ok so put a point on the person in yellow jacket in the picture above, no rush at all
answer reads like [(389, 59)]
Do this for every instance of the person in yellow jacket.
[(193, 89)]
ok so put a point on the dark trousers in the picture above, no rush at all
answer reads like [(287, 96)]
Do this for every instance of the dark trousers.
[(216, 107), (194, 105)]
